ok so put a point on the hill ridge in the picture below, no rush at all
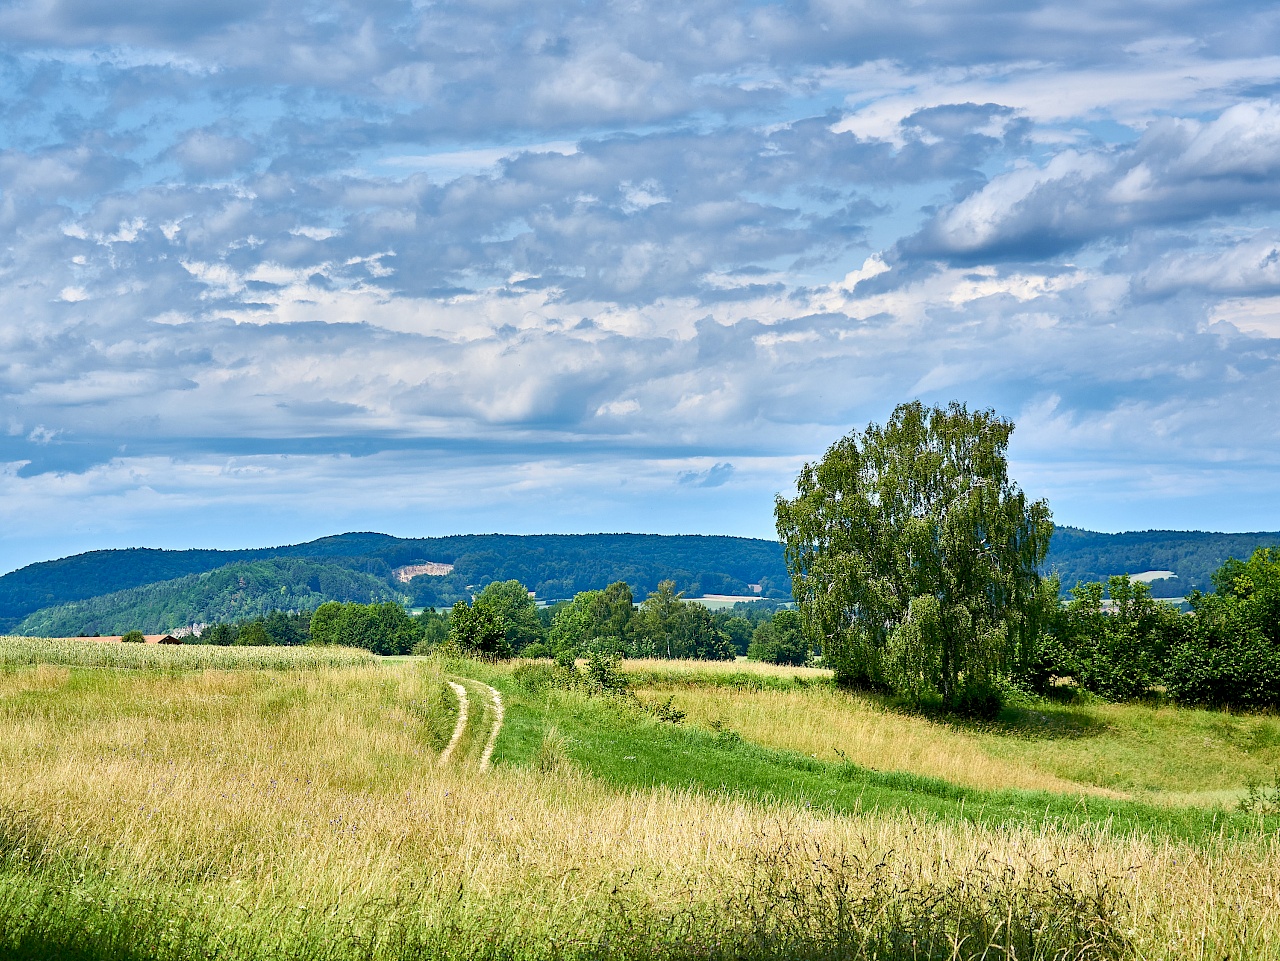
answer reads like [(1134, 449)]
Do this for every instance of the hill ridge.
[(554, 565)]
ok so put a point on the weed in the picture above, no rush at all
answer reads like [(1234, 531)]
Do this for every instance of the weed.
[(553, 754), (1261, 798)]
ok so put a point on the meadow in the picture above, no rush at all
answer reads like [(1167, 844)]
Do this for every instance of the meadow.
[(75, 652), (1160, 753), (223, 812)]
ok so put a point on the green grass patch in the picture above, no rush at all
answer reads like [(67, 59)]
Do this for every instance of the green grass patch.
[(622, 745)]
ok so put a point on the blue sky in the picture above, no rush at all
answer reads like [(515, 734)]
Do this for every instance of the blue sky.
[(276, 270)]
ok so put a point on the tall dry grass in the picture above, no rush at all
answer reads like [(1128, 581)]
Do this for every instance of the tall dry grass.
[(301, 814), (78, 652), (650, 667)]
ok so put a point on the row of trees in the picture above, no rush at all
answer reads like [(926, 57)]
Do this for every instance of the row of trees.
[(503, 621), (1224, 652)]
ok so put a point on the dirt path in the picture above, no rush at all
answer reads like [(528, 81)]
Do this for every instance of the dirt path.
[(458, 728), (486, 758)]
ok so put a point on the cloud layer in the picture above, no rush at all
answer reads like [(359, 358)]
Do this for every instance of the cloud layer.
[(270, 271)]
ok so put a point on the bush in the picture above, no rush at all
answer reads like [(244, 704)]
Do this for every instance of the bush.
[(1228, 662), (1119, 652), (134, 637)]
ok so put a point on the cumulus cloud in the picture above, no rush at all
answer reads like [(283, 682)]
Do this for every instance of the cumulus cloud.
[(261, 255), (1180, 170)]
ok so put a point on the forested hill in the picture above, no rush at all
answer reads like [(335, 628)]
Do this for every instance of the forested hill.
[(1078, 555), (553, 565), (239, 590), (154, 584)]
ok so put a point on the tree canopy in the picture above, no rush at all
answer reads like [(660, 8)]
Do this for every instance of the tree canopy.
[(914, 556)]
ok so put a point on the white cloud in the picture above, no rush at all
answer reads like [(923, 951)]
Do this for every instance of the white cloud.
[(654, 240)]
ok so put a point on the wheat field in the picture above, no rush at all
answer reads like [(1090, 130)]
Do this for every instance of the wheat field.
[(80, 652)]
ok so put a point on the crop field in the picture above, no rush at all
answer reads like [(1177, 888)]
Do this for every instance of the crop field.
[(75, 652), (210, 812)]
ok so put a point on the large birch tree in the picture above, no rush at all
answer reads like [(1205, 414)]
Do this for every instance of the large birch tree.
[(914, 556)]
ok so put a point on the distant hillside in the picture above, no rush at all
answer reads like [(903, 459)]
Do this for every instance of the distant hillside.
[(105, 591), (100, 572), (1079, 555), (553, 565), (239, 590)]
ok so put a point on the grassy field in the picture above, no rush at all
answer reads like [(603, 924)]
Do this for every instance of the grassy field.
[(75, 652), (1162, 754), (303, 814)]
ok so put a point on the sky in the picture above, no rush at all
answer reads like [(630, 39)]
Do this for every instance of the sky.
[(274, 270)]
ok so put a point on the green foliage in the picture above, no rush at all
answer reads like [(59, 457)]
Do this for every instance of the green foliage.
[(478, 631), (221, 635), (1224, 653), (133, 637), (253, 634), (435, 630), (601, 620), (737, 628), (1120, 651), (509, 601), (1261, 798), (669, 626), (914, 556), (780, 640), (381, 628), (664, 625), (1232, 658)]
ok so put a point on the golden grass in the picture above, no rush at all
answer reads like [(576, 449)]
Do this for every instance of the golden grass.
[(79, 652), (661, 666), (293, 795)]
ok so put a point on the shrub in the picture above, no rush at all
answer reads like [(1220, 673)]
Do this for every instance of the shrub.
[(1228, 661), (134, 637)]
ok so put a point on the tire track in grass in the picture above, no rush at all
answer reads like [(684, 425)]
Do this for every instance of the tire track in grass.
[(460, 727), (486, 759)]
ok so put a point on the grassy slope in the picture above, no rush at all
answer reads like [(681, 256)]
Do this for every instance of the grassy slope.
[(1164, 754), (628, 749)]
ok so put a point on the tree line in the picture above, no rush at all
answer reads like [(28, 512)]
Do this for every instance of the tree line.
[(503, 621)]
